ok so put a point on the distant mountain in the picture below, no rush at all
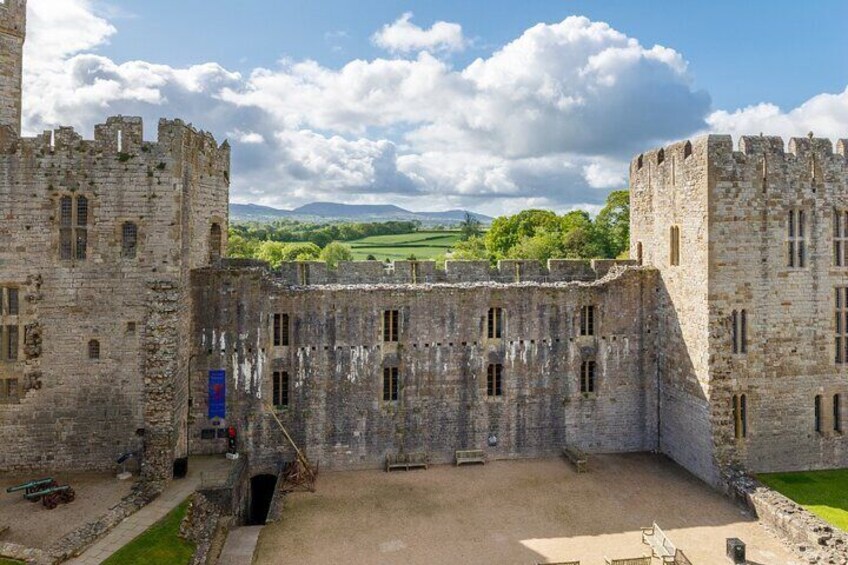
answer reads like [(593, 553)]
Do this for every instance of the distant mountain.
[(331, 211)]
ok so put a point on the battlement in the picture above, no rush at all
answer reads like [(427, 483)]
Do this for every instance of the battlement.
[(13, 17), (123, 137), (352, 273)]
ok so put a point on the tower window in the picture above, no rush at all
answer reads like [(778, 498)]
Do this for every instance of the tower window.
[(740, 331), (674, 246), (587, 320), (129, 240), (661, 157), (818, 413), (281, 330), (494, 380), (495, 324), (73, 228), (9, 324), (94, 349), (841, 325), (587, 377), (215, 243), (639, 258), (840, 238), (796, 246), (740, 416), (391, 320), (12, 306), (281, 388), (390, 384), (837, 413), (687, 150)]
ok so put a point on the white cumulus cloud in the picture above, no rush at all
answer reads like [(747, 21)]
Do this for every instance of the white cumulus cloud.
[(403, 36)]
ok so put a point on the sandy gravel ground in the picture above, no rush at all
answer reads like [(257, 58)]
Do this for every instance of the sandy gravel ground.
[(511, 512), (32, 525)]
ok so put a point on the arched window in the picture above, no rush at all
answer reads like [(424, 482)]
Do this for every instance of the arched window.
[(215, 243), (640, 162), (687, 150), (660, 156), (94, 349), (129, 240)]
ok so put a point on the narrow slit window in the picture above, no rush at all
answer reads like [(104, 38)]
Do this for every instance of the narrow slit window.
[(639, 253), (587, 377), (281, 389), (94, 349), (840, 238), (390, 384), (391, 319), (740, 416), (674, 246), (740, 331), (587, 320), (495, 323), (494, 380), (837, 413), (12, 343), (215, 243), (13, 306), (818, 413), (285, 330), (841, 325), (796, 244), (278, 332), (129, 240)]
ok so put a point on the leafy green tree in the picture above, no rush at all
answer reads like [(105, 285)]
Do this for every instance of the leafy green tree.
[(276, 253), (507, 231), (470, 227), (336, 252), (240, 247), (472, 250), (613, 223)]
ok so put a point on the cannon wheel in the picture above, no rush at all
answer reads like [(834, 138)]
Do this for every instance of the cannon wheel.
[(50, 501)]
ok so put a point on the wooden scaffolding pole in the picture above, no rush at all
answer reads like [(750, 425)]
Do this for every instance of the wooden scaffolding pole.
[(302, 464)]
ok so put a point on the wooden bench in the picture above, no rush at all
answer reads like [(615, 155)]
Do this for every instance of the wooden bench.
[(464, 456), (580, 459), (646, 560), (406, 461), (660, 545)]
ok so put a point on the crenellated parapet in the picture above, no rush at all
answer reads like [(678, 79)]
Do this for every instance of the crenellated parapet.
[(353, 273)]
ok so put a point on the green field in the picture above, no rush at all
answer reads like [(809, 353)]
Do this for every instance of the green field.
[(159, 545), (824, 493), (422, 244)]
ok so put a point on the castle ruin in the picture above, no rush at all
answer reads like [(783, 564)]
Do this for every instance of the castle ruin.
[(723, 342)]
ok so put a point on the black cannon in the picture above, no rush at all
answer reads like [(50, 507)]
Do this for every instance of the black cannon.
[(32, 486), (54, 495)]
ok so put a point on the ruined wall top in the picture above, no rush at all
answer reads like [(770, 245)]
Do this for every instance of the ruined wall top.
[(13, 17), (353, 273)]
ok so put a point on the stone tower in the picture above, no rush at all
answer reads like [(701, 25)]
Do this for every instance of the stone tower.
[(12, 35)]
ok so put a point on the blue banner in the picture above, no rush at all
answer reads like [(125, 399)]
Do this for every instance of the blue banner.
[(217, 394)]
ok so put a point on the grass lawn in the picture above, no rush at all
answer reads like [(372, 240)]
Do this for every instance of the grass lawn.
[(159, 545), (824, 493), (423, 244), (6, 561)]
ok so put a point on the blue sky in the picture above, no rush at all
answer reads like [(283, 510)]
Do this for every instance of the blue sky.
[(780, 51), (494, 106)]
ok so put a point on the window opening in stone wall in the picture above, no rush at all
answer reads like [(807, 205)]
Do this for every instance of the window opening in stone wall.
[(391, 319), (587, 377), (494, 380), (281, 330), (81, 228), (65, 228), (639, 253), (281, 389), (817, 414), (687, 150), (837, 413), (215, 243), (73, 228), (841, 325), (10, 333), (129, 240), (12, 343), (12, 299), (390, 384), (587, 320), (660, 156), (740, 331), (640, 162), (94, 349), (740, 416), (840, 238), (796, 246), (495, 319), (674, 246)]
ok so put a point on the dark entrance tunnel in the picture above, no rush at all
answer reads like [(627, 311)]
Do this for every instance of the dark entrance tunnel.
[(261, 492)]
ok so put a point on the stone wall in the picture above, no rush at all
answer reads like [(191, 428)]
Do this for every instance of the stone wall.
[(70, 410), (336, 359), (12, 33)]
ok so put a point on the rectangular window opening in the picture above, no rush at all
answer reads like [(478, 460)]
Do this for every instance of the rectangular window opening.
[(390, 384), (587, 377)]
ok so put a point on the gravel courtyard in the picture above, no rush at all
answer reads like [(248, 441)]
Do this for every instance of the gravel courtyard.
[(511, 512), (33, 525)]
